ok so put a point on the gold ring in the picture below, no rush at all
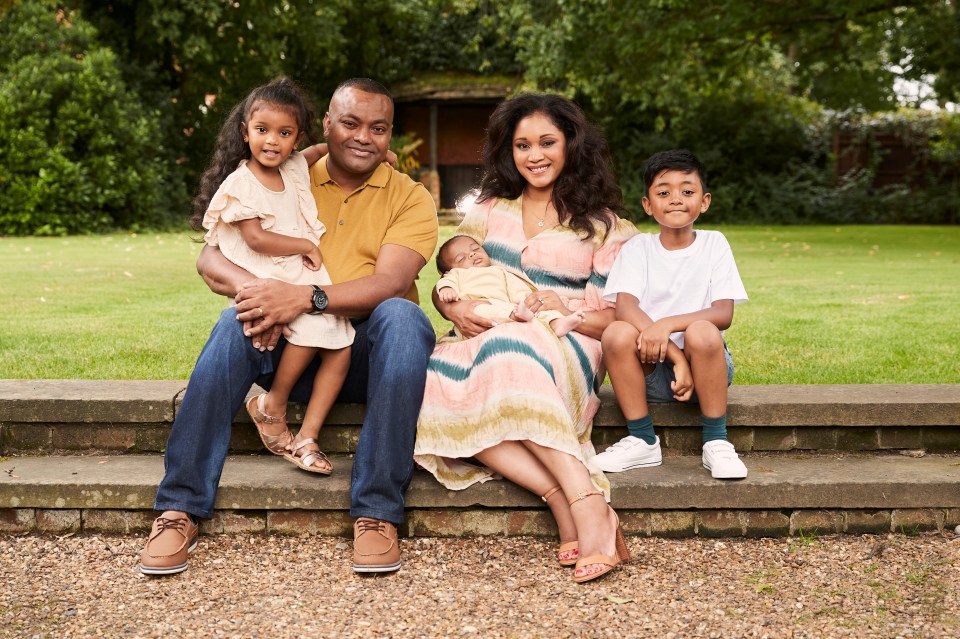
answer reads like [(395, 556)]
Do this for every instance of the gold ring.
[(540, 299), (260, 308)]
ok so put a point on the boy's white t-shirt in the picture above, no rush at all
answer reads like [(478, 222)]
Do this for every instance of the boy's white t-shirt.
[(669, 283)]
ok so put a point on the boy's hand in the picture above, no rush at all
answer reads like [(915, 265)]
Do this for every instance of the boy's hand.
[(447, 294), (653, 343), (683, 386), (312, 259)]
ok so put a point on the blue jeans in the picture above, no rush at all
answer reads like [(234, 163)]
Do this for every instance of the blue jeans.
[(388, 371)]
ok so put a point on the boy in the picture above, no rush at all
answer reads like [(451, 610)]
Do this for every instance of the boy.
[(675, 293), (468, 274)]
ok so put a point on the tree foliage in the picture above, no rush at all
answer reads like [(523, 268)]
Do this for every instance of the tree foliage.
[(78, 151), (751, 87), (747, 86)]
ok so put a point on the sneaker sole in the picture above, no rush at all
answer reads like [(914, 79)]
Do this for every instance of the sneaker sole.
[(171, 570), (743, 476), (386, 568), (620, 469)]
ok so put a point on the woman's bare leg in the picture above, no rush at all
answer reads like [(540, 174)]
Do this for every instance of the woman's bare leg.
[(516, 463), (595, 521)]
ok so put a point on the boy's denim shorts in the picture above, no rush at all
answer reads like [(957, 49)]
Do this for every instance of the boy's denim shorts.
[(658, 382)]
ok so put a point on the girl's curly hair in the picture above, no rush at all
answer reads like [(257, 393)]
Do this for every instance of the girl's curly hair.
[(586, 189), (231, 148)]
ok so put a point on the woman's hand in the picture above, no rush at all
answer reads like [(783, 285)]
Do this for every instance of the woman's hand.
[(467, 321), (546, 301)]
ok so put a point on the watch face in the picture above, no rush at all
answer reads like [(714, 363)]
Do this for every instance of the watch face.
[(319, 299)]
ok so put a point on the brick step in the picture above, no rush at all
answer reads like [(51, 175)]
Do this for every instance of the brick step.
[(785, 494), (126, 417)]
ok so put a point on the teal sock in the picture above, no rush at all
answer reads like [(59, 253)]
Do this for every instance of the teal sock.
[(642, 429), (713, 428)]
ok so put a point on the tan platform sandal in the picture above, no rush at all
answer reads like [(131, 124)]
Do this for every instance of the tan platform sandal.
[(569, 552), (304, 459), (276, 444), (601, 564)]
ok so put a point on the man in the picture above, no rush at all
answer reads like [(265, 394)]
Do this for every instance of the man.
[(381, 230)]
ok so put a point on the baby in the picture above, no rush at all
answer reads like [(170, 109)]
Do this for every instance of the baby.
[(468, 274)]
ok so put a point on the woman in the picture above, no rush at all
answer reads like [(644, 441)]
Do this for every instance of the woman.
[(516, 397)]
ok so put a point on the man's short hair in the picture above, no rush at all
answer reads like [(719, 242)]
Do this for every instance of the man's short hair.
[(364, 84)]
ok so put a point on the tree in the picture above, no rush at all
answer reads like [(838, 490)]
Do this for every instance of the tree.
[(77, 149)]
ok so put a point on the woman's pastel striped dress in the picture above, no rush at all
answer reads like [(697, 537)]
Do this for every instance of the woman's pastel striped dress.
[(518, 380)]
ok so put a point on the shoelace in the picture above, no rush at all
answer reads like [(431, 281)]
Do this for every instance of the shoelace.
[(368, 525), (167, 524)]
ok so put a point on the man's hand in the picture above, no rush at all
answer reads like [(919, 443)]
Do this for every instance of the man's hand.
[(267, 340), (266, 306)]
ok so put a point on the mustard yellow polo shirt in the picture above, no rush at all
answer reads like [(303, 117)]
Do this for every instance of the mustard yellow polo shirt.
[(389, 208)]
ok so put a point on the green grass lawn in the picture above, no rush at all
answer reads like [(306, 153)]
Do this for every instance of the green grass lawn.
[(849, 304)]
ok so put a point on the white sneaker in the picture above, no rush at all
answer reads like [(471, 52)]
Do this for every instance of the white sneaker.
[(629, 452), (722, 461)]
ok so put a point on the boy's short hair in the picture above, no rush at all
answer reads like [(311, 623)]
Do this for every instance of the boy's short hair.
[(442, 266), (673, 160)]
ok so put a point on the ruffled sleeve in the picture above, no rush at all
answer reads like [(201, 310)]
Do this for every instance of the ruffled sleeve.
[(296, 173), (238, 198), (603, 258)]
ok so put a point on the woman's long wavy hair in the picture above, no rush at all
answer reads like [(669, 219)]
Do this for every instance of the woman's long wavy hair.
[(231, 147), (585, 190)]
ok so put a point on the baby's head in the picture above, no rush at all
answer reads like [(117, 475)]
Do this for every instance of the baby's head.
[(461, 251)]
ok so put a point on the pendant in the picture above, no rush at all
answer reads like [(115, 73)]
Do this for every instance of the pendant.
[(540, 223)]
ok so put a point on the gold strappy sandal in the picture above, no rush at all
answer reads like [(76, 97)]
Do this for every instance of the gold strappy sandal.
[(567, 553), (276, 444), (304, 459), (605, 563)]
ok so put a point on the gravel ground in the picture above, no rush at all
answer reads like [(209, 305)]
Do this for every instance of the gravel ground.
[(242, 586)]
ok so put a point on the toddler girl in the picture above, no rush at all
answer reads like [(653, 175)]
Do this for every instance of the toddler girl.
[(256, 205)]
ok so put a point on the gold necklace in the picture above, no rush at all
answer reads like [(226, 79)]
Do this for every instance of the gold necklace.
[(541, 219)]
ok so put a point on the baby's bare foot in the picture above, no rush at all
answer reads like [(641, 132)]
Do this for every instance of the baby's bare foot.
[(563, 325), (521, 313)]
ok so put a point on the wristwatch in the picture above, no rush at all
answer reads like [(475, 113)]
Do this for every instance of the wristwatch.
[(319, 300)]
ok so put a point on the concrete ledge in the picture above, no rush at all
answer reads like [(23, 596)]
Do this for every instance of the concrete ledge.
[(258, 482), (778, 405), (783, 494), (68, 416), (88, 401)]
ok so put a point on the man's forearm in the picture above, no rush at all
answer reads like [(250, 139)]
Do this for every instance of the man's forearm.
[(222, 276), (359, 297)]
